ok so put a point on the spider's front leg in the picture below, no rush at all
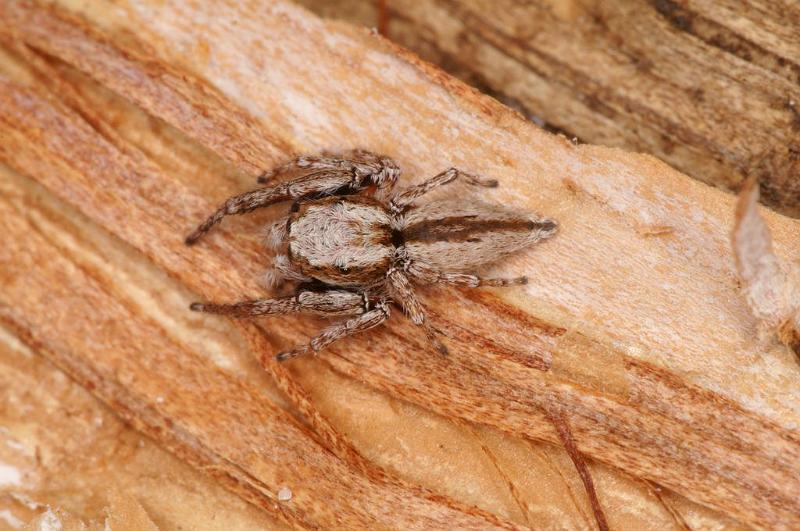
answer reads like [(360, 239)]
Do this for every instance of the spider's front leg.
[(341, 177), (321, 183), (355, 161), (305, 163)]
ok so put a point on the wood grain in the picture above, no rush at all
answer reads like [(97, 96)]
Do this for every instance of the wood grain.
[(75, 456), (632, 328), (712, 88)]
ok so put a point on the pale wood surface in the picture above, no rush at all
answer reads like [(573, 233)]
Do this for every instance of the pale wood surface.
[(711, 87), (123, 125)]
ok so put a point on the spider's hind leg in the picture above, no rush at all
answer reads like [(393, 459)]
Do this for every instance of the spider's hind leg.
[(431, 276)]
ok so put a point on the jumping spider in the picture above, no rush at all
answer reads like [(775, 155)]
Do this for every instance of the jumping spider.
[(355, 247)]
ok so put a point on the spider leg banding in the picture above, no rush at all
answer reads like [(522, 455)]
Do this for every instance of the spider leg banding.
[(403, 200), (403, 293), (355, 247), (339, 331), (329, 303)]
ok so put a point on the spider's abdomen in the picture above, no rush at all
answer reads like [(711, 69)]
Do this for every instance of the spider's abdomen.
[(341, 240), (458, 236)]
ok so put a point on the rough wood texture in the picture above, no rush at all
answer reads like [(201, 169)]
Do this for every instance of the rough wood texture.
[(122, 126), (711, 87), (76, 457)]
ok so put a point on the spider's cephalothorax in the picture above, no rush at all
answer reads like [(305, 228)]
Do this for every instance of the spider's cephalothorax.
[(354, 254)]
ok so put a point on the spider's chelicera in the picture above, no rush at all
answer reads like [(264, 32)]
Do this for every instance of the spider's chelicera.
[(354, 247)]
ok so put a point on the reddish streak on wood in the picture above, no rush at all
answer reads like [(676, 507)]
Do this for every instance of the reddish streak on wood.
[(565, 434), (383, 18)]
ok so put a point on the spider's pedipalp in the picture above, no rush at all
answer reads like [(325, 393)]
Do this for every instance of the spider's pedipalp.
[(283, 269), (275, 234)]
